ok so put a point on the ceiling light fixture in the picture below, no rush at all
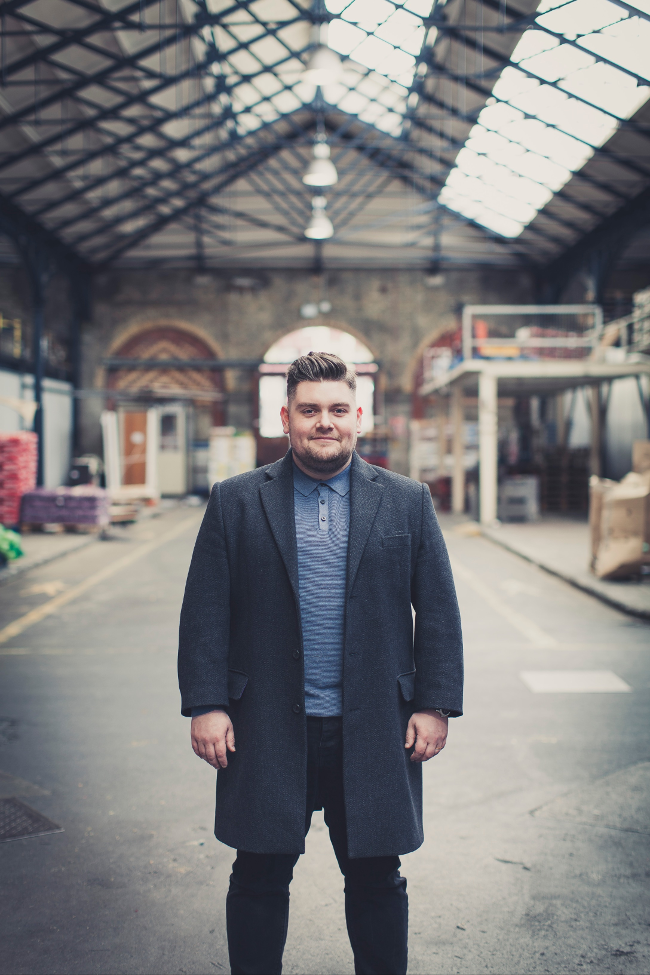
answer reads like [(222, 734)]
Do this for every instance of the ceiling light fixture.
[(321, 170), (323, 64), (320, 226)]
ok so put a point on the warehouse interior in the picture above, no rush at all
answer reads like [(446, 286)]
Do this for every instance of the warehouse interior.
[(452, 195), (158, 211)]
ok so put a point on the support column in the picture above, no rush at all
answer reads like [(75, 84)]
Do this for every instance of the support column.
[(457, 449), (37, 359), (487, 442), (79, 297), (560, 421), (39, 266), (442, 440), (596, 432)]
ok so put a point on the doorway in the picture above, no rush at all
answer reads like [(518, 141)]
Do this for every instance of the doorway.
[(271, 442), (172, 449)]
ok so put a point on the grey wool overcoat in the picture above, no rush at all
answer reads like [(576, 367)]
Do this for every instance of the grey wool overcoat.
[(241, 647)]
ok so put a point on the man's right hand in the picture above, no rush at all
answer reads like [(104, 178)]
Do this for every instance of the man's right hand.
[(213, 737)]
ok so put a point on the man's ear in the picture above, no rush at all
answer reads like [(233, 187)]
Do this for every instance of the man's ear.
[(359, 418), (284, 416)]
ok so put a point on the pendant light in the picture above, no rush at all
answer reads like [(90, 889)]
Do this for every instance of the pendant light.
[(320, 226), (321, 170), (323, 64), (323, 67)]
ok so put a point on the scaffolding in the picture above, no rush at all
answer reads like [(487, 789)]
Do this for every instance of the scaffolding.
[(525, 363)]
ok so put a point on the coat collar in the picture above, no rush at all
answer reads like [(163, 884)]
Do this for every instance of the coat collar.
[(277, 499), (366, 493)]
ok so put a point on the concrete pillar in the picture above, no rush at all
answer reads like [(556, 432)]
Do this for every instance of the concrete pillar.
[(457, 449), (414, 450), (596, 433), (560, 420), (487, 445), (442, 441)]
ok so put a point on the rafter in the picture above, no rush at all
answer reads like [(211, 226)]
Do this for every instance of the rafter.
[(73, 36), (600, 247), (158, 171)]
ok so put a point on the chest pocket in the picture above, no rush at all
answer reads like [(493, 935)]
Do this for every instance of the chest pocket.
[(396, 541)]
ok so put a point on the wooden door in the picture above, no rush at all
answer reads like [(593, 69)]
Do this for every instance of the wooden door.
[(134, 448)]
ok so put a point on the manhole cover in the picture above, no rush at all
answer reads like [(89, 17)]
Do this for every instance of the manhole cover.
[(18, 820)]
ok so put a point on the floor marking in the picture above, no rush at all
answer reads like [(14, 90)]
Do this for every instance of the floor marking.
[(51, 606), (81, 651), (533, 633), (574, 682)]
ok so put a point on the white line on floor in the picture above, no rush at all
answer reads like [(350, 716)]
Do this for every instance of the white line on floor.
[(574, 682), (52, 605), (533, 633)]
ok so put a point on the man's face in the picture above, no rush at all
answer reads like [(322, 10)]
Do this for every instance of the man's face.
[(323, 421)]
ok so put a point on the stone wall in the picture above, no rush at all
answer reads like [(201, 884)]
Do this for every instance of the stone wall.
[(394, 312)]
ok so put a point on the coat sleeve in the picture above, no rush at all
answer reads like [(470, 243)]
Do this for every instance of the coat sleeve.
[(438, 641), (205, 617)]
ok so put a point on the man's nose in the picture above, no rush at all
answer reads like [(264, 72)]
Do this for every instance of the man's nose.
[(325, 420)]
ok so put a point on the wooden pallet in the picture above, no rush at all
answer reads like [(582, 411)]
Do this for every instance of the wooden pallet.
[(53, 528)]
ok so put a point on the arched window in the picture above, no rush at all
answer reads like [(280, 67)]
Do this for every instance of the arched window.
[(316, 338)]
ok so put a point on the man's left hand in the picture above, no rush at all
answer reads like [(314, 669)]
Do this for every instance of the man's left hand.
[(427, 730)]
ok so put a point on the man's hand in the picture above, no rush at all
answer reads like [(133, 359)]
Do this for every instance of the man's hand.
[(212, 737), (428, 731)]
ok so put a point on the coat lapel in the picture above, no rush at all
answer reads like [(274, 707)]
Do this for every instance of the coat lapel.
[(277, 500), (365, 497)]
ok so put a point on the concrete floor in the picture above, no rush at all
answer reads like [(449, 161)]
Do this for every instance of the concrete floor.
[(562, 545), (537, 822)]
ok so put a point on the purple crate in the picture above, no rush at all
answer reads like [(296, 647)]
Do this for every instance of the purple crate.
[(84, 505)]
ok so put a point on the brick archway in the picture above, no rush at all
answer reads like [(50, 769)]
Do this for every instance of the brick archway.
[(171, 344)]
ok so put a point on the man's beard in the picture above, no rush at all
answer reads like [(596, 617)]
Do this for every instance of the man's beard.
[(329, 464)]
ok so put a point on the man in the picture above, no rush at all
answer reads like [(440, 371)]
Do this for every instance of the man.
[(308, 685)]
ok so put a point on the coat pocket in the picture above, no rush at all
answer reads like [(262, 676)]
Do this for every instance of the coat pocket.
[(396, 541), (236, 684), (407, 685)]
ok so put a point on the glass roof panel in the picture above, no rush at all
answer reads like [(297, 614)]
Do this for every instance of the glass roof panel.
[(577, 78), (379, 40), (385, 36)]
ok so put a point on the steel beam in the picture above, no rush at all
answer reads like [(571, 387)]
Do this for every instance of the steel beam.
[(601, 247)]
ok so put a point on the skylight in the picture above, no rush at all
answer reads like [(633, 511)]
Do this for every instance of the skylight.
[(565, 98), (379, 41), (383, 38)]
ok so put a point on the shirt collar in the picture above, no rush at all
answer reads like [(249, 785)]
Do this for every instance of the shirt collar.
[(305, 484)]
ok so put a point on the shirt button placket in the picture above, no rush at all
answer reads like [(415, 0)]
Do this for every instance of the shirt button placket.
[(323, 508)]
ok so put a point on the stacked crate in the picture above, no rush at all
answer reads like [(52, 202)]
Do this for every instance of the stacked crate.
[(83, 505), (18, 460)]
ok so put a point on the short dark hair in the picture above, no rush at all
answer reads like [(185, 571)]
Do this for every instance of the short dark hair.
[(319, 367)]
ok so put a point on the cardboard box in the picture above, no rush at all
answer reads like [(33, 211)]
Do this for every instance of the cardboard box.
[(619, 558), (598, 489), (625, 528), (641, 456)]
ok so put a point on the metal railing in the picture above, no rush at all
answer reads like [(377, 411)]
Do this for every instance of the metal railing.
[(632, 331), (519, 344)]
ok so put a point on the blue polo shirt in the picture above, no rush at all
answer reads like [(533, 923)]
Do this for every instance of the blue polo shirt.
[(322, 514)]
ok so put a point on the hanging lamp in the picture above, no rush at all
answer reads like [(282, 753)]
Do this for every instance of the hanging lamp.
[(321, 170), (323, 64), (320, 226)]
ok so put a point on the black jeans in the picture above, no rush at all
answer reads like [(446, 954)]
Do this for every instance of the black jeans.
[(376, 904)]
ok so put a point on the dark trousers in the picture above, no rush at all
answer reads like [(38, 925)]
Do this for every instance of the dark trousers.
[(376, 904)]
